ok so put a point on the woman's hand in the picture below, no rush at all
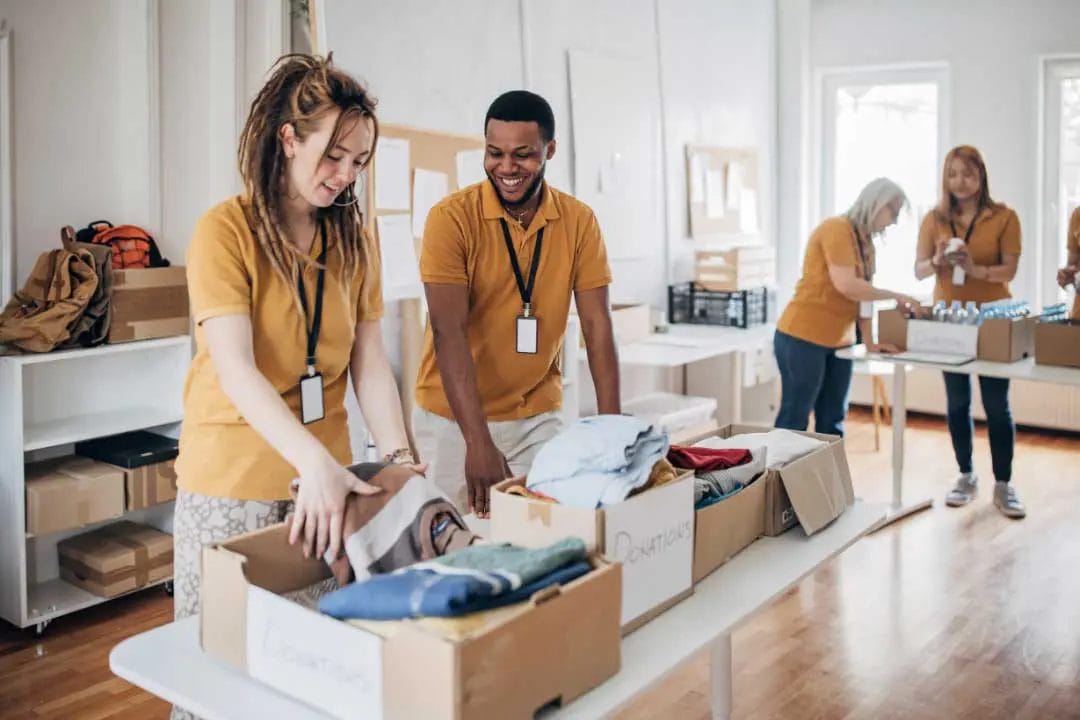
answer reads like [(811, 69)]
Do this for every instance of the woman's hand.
[(938, 260), (1066, 276), (906, 303), (320, 506), (882, 348)]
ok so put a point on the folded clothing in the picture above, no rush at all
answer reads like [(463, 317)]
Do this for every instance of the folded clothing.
[(705, 459), (783, 446), (476, 578), (712, 487), (597, 461), (663, 472), (410, 521)]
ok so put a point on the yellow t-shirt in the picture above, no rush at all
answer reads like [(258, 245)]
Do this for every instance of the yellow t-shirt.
[(996, 233), (464, 245), (229, 274), (1074, 248), (819, 313)]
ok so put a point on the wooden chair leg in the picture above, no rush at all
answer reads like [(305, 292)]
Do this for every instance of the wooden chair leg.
[(886, 408), (876, 407)]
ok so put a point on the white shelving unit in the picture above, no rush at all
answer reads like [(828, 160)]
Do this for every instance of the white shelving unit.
[(48, 402)]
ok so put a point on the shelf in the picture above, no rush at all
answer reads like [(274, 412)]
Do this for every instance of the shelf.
[(84, 427), (56, 597), (80, 353)]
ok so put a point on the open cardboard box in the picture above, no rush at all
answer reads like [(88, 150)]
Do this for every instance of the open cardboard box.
[(1058, 344), (651, 534), (811, 491), (997, 340), (507, 664), (727, 527)]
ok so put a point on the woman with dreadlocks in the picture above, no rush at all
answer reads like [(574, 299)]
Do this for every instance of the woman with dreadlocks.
[(286, 298)]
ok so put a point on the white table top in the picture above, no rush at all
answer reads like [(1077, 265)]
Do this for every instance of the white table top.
[(168, 662), (1025, 369), (684, 344)]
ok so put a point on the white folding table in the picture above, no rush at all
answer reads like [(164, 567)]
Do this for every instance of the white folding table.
[(1021, 370), (168, 662)]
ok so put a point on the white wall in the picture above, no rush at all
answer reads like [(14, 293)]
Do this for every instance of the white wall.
[(993, 50), (80, 139), (714, 61)]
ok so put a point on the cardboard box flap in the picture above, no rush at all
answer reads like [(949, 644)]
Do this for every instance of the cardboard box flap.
[(531, 522), (275, 565), (811, 484)]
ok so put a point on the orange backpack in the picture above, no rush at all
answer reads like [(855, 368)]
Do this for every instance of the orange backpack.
[(132, 247)]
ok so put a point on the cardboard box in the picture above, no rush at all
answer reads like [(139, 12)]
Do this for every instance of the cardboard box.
[(1058, 344), (724, 528), (116, 559), (70, 492), (149, 485), (736, 268), (149, 303), (651, 534), (997, 340), (553, 648), (811, 491)]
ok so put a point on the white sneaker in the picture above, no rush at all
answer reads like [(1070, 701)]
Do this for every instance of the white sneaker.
[(1007, 502), (967, 486)]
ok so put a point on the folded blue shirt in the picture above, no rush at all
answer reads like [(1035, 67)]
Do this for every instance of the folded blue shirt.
[(415, 593), (598, 460)]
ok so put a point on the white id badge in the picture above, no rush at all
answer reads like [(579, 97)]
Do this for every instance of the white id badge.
[(528, 330), (866, 309), (311, 399)]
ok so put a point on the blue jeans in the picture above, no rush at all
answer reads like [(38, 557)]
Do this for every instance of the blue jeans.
[(999, 421), (811, 378)]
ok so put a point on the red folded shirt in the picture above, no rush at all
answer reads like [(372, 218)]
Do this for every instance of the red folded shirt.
[(707, 459)]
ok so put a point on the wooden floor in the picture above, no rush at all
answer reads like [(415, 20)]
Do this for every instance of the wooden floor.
[(948, 614)]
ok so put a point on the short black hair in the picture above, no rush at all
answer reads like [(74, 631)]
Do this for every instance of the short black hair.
[(523, 106)]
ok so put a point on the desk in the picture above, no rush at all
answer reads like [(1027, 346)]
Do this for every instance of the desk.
[(167, 661), (1022, 370), (686, 344)]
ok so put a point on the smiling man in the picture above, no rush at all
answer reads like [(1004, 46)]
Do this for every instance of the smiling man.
[(500, 262)]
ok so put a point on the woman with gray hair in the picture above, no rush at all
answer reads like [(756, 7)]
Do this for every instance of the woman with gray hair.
[(834, 293)]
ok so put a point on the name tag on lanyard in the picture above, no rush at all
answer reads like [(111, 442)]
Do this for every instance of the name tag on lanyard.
[(312, 402), (527, 326)]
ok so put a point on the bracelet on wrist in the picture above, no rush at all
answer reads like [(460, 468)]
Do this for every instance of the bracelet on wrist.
[(401, 456)]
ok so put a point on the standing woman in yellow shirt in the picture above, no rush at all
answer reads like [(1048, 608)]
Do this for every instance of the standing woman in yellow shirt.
[(990, 232), (1067, 275), (286, 296), (834, 293)]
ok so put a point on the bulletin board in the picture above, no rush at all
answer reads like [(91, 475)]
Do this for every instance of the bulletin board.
[(722, 192), (428, 152)]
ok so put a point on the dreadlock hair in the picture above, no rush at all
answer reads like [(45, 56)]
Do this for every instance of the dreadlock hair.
[(301, 90)]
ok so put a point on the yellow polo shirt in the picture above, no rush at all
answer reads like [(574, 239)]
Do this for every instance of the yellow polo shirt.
[(464, 245), (996, 233), (1074, 247), (229, 274), (818, 312)]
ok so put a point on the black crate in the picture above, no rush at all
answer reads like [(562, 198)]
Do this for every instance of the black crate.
[(691, 303)]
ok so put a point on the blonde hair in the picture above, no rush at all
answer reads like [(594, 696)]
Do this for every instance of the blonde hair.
[(302, 89), (877, 194)]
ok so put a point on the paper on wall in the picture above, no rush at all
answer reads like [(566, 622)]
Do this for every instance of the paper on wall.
[(714, 193), (470, 167), (392, 174), (748, 212), (697, 178), (734, 185), (429, 187), (400, 267)]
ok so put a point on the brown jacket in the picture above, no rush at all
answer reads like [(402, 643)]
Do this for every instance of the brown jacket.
[(43, 314)]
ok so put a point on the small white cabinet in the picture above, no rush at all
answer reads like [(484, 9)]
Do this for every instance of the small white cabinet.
[(50, 401)]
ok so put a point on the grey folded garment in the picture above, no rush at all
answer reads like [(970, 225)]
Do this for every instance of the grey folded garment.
[(719, 483)]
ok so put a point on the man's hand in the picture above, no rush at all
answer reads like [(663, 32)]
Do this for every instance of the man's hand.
[(484, 466)]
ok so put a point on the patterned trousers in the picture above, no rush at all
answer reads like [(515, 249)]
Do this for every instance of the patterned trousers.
[(200, 520)]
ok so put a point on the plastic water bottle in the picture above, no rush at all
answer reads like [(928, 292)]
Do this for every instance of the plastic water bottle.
[(971, 310), (955, 312)]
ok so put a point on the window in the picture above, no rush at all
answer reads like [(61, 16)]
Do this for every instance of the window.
[(1061, 168), (884, 122)]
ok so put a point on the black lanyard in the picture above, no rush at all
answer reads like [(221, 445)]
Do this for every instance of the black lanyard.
[(967, 235), (862, 254), (525, 290), (316, 321)]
